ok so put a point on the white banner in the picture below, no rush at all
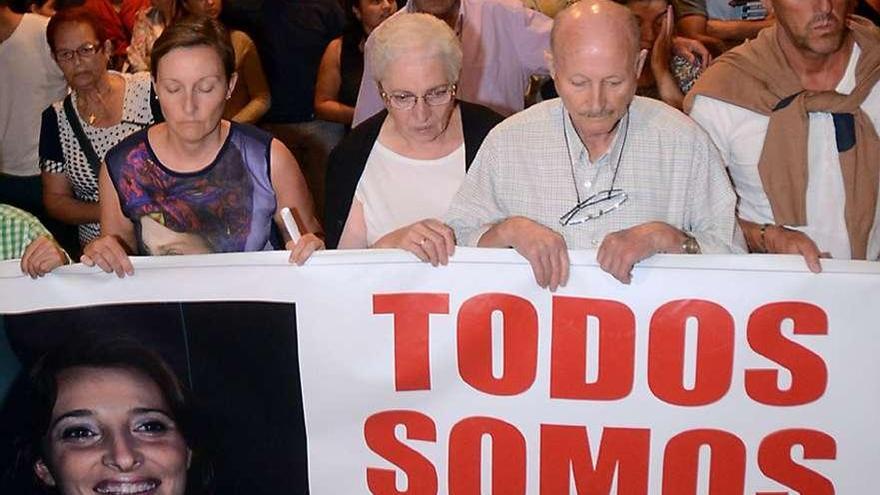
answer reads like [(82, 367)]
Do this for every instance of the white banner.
[(708, 375)]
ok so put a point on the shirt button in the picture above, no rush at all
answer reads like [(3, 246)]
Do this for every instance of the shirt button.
[(588, 184), (595, 242)]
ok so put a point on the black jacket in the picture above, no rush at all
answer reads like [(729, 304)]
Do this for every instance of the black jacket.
[(348, 159)]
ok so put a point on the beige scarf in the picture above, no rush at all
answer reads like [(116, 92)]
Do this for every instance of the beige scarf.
[(757, 76)]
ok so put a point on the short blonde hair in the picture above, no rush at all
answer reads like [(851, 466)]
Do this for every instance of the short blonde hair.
[(413, 32)]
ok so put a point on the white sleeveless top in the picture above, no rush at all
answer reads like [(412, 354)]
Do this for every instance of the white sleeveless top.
[(396, 191)]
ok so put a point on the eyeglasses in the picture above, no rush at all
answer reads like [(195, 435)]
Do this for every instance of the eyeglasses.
[(87, 50), (595, 206), (435, 97), (602, 202)]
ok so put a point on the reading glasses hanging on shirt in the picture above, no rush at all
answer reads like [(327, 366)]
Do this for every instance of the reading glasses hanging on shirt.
[(595, 206), (601, 203)]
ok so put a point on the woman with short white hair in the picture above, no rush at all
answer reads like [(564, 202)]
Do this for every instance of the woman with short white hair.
[(396, 173)]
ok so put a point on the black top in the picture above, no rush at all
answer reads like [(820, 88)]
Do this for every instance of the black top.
[(348, 159), (865, 10), (351, 67), (294, 35)]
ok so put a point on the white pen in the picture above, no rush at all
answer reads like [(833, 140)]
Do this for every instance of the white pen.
[(290, 224)]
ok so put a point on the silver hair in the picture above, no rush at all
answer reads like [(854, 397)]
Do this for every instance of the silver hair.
[(413, 33)]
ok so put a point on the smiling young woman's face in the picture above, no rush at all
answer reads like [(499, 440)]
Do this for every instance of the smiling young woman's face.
[(112, 433)]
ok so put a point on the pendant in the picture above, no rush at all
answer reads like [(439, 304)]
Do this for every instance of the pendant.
[(92, 119)]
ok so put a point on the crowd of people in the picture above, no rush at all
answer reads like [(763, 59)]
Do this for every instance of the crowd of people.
[(408, 128)]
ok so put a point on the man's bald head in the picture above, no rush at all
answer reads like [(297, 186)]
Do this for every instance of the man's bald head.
[(595, 21), (595, 61)]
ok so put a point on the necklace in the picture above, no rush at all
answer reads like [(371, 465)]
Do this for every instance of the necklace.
[(602, 202), (571, 160), (95, 113), (91, 114)]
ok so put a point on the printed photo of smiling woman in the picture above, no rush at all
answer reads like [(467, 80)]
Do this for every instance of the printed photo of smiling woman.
[(109, 416)]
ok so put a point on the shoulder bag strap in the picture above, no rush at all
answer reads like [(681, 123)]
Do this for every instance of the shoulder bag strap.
[(84, 144)]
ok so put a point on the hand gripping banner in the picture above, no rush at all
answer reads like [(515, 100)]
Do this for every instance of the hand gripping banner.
[(369, 372)]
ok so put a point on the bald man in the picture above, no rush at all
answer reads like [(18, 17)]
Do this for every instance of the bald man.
[(597, 167)]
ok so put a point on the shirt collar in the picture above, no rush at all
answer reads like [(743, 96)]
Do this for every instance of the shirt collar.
[(576, 148)]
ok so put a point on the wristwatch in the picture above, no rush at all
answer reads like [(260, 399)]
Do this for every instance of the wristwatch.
[(690, 245)]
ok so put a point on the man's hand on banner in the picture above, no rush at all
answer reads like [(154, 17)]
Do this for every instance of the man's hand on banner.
[(778, 239), (107, 252), (544, 248), (431, 240), (304, 247), (621, 250)]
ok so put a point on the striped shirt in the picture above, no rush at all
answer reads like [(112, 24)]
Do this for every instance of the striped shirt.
[(668, 167)]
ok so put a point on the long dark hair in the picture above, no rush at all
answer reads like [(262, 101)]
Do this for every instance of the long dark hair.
[(354, 31)]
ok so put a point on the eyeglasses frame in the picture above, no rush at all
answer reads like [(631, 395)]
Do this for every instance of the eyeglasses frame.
[(451, 90)]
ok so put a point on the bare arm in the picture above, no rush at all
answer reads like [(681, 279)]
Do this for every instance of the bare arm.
[(736, 31), (110, 251), (61, 203), (694, 27), (254, 79), (354, 234), (327, 104), (113, 222), (292, 192), (660, 56)]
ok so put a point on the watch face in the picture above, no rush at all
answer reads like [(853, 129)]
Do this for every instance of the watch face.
[(690, 245)]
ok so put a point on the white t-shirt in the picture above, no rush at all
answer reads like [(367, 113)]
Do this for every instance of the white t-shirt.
[(30, 81), (397, 191), (739, 135)]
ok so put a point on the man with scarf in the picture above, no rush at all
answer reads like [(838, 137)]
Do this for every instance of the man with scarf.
[(793, 113)]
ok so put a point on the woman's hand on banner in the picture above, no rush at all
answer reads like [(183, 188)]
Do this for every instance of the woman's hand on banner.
[(107, 252), (304, 247), (431, 240), (42, 256)]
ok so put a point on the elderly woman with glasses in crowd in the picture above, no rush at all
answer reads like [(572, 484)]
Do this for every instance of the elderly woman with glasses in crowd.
[(198, 183), (397, 172), (102, 109)]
